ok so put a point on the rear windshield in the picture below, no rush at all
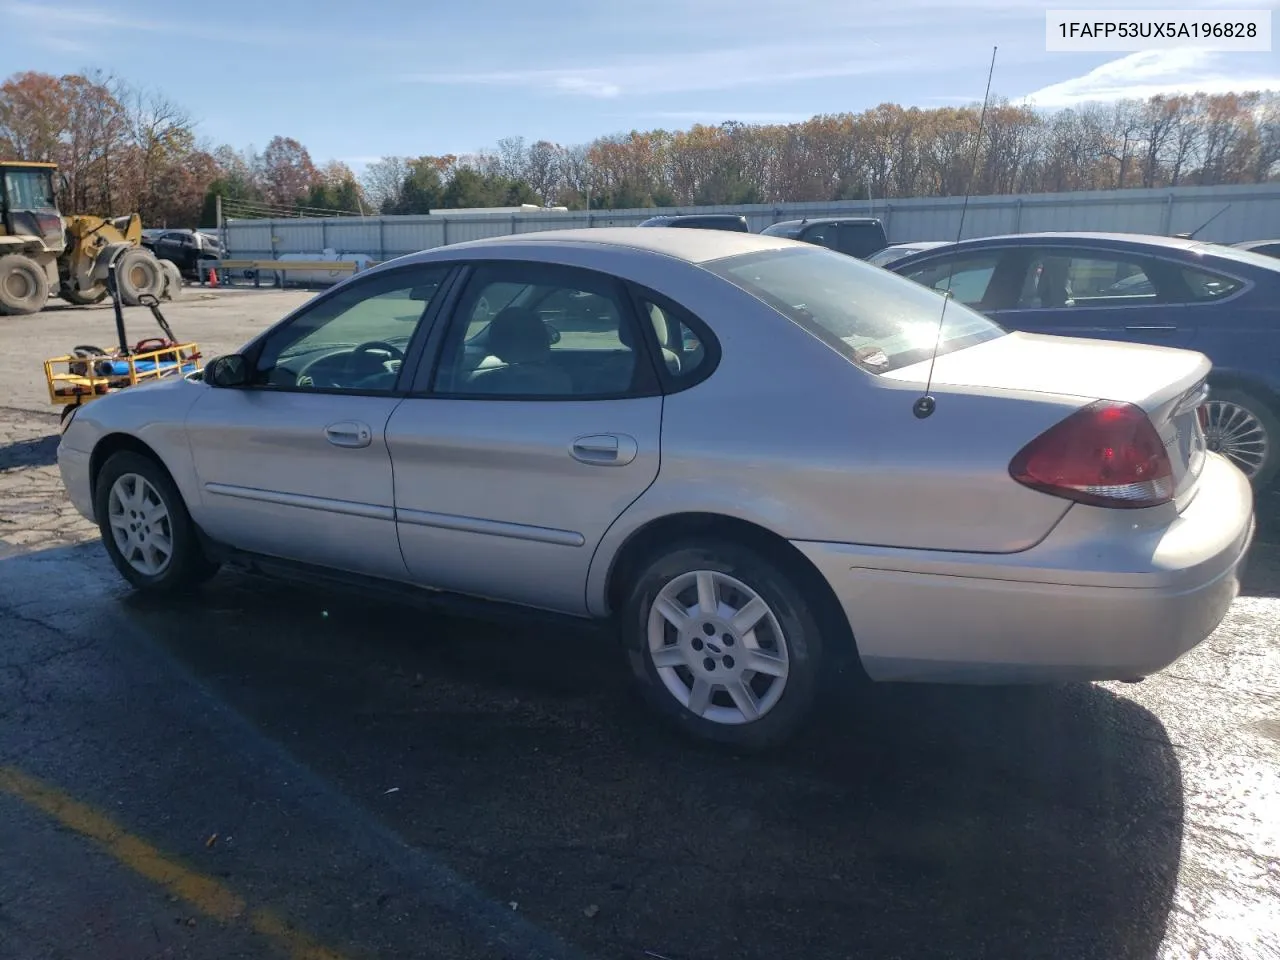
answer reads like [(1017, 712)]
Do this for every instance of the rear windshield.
[(877, 319), (1239, 255)]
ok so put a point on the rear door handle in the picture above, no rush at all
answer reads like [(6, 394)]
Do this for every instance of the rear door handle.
[(349, 433), (605, 449)]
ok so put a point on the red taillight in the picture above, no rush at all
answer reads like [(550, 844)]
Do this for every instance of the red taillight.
[(1107, 454)]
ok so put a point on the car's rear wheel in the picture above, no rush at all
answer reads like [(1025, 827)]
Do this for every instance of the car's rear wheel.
[(723, 642), (1244, 430), (145, 526)]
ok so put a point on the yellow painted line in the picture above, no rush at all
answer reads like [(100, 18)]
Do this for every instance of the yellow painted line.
[(203, 893)]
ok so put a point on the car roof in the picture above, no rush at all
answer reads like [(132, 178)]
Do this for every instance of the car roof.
[(693, 246), (788, 223), (1104, 239)]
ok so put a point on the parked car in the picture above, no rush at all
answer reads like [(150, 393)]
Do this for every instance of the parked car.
[(1220, 300), (524, 419), (700, 221), (896, 251), (856, 236), (188, 250), (1269, 248)]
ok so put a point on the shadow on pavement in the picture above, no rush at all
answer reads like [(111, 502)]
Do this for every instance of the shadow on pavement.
[(925, 822), (37, 452)]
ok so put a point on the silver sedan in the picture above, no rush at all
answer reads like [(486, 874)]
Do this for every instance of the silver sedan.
[(754, 459)]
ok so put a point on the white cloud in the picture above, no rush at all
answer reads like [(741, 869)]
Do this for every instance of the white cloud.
[(700, 70), (722, 116), (1151, 72)]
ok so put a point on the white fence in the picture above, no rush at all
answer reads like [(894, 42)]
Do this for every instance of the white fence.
[(1250, 212)]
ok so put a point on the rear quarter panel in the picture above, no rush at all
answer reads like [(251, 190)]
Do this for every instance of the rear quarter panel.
[(789, 435)]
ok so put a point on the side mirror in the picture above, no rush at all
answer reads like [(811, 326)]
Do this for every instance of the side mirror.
[(229, 370), (554, 333)]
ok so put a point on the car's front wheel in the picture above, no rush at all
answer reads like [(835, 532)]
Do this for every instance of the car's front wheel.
[(145, 526), (723, 642)]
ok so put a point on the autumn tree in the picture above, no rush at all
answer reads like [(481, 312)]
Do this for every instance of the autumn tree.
[(287, 172)]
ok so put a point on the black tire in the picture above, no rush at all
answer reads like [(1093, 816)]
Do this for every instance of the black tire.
[(24, 287), (139, 273), (794, 613), (85, 298), (1265, 474), (173, 279), (188, 565)]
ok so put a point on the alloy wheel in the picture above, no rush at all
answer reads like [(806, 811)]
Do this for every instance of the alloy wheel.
[(1238, 434), (718, 647), (140, 524)]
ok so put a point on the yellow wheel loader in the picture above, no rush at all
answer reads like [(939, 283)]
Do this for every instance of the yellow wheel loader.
[(43, 252)]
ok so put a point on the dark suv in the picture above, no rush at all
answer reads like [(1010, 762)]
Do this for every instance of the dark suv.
[(857, 236), (700, 221)]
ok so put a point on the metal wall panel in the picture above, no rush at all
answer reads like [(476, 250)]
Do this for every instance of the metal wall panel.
[(1252, 212)]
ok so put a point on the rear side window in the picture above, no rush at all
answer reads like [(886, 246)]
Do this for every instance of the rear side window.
[(687, 349), (822, 234), (861, 239), (1063, 279), (1208, 286), (873, 317)]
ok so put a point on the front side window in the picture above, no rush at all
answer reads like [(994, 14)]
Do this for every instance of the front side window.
[(353, 340), (545, 332), (28, 189), (878, 320), (965, 278)]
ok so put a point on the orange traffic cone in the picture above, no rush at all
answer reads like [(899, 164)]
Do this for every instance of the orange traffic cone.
[(213, 277)]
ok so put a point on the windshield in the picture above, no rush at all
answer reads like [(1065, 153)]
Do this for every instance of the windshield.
[(877, 319), (28, 189), (890, 254), (788, 230)]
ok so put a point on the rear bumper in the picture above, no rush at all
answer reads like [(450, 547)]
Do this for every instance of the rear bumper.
[(1106, 596)]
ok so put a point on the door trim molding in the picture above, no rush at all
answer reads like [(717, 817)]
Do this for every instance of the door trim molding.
[(351, 508), (495, 528)]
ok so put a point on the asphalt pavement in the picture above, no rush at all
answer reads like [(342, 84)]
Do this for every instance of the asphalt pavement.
[(272, 771)]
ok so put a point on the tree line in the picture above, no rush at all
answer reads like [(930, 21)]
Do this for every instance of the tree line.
[(124, 149)]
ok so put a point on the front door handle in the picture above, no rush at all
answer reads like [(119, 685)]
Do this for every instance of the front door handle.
[(349, 433), (605, 449)]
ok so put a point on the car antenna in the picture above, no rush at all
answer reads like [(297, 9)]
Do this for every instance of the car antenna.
[(925, 404), (1192, 234)]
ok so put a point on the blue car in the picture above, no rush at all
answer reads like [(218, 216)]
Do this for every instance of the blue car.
[(1220, 300)]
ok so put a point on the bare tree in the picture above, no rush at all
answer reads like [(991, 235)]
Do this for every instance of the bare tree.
[(383, 181)]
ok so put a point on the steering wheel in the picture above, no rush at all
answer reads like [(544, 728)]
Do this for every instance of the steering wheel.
[(350, 372)]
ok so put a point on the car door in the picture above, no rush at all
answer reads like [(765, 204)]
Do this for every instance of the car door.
[(537, 427), (295, 464), (1101, 294)]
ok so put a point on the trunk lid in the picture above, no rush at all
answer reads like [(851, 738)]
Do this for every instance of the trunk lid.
[(1169, 384)]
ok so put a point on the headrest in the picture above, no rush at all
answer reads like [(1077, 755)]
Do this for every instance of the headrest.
[(518, 335)]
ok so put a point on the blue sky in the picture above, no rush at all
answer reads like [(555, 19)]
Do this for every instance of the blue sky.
[(357, 81)]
